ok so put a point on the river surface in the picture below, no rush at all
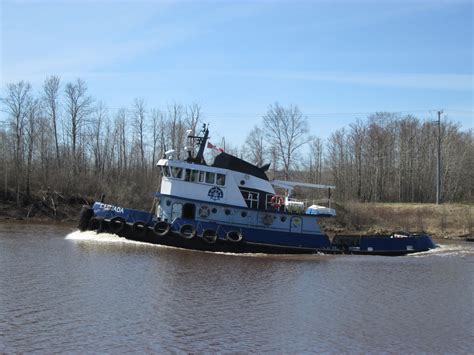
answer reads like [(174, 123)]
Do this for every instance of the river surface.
[(66, 291)]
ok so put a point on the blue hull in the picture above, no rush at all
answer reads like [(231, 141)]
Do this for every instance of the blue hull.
[(191, 234)]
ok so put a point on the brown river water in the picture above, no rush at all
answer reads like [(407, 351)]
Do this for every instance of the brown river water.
[(66, 291)]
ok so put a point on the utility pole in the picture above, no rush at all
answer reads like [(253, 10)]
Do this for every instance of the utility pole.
[(438, 175)]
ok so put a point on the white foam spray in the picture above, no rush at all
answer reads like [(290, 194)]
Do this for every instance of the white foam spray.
[(92, 236), (444, 250)]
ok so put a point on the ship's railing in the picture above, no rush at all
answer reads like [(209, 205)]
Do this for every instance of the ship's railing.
[(307, 202), (294, 205)]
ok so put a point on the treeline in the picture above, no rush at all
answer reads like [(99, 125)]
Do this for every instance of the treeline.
[(60, 140), (394, 158), (385, 158)]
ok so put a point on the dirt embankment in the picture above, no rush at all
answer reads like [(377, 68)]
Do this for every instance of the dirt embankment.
[(449, 221), (48, 206)]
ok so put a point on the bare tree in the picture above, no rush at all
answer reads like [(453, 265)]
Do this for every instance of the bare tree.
[(121, 140), (193, 116), (139, 127), (51, 88), (78, 107), (31, 132), (177, 133), (255, 146), (158, 129), (286, 129), (98, 124), (315, 160), (5, 156), (17, 101)]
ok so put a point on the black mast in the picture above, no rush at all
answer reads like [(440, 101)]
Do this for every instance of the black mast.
[(200, 141)]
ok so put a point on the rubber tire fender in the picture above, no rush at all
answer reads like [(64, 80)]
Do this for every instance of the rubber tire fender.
[(209, 236), (86, 214), (140, 228), (95, 223), (161, 228), (117, 225), (234, 236), (187, 231)]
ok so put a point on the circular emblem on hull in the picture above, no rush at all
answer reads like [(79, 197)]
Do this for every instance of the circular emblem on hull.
[(215, 193)]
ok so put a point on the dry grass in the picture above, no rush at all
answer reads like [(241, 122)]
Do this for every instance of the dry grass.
[(441, 221)]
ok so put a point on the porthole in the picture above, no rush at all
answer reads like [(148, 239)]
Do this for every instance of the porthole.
[(242, 182), (283, 218), (214, 210), (168, 202), (227, 212), (243, 214)]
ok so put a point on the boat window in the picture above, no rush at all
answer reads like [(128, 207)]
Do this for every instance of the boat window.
[(268, 202), (194, 175), (251, 198), (187, 175), (220, 179), (166, 171), (202, 176), (177, 172), (210, 178)]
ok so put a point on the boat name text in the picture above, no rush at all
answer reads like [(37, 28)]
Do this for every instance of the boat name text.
[(111, 208)]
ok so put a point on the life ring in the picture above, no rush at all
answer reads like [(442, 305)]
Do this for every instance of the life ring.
[(94, 223), (187, 231), (161, 228), (233, 236), (116, 225), (267, 219), (209, 236), (277, 201), (86, 214), (140, 228), (204, 211)]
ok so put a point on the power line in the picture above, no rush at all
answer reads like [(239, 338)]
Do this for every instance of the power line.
[(310, 114), (320, 113)]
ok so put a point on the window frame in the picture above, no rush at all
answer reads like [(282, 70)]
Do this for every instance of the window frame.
[(219, 175)]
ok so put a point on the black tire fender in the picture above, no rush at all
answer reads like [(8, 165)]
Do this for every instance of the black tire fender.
[(234, 236), (117, 225), (187, 231), (161, 228), (209, 236), (94, 224), (140, 228), (86, 214)]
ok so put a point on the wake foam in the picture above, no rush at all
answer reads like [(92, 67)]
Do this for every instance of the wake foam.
[(445, 250), (92, 236)]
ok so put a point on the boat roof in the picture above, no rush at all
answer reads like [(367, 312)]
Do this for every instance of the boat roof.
[(227, 161)]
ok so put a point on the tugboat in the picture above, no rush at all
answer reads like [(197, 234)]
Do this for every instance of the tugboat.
[(231, 206)]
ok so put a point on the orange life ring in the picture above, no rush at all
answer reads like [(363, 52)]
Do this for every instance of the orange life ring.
[(277, 201)]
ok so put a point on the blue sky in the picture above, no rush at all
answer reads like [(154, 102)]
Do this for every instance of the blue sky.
[(336, 60)]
